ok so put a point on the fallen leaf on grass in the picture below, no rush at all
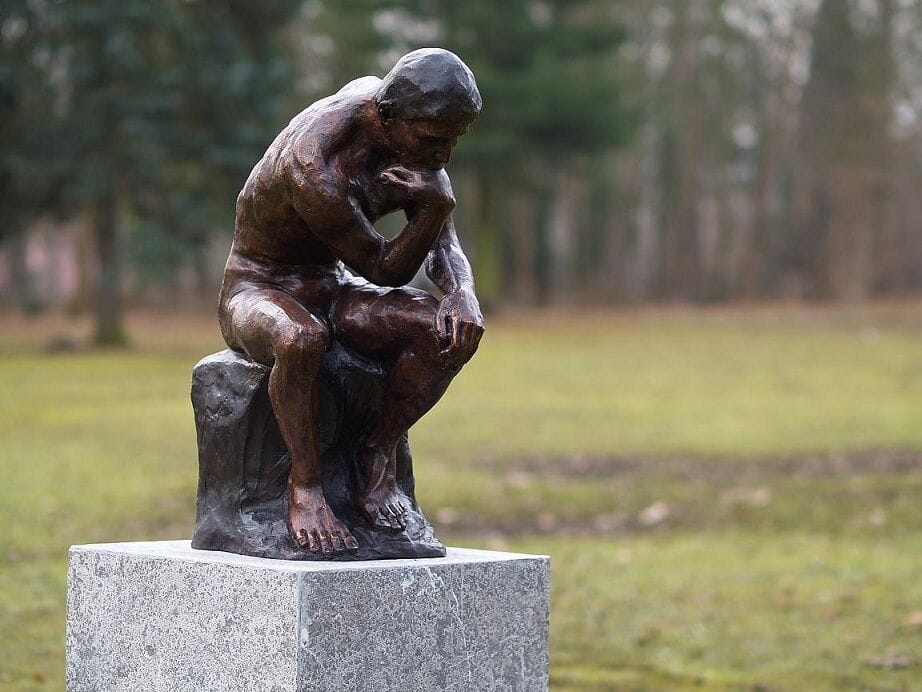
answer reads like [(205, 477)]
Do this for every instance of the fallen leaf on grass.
[(497, 542), (611, 522), (655, 514), (877, 518), (914, 619), (546, 521), (518, 479), (651, 632), (890, 660), (747, 497), (447, 516)]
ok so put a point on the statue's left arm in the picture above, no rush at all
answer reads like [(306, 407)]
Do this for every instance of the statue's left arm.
[(459, 321)]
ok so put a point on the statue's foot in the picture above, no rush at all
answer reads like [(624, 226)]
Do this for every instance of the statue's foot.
[(313, 525), (385, 509)]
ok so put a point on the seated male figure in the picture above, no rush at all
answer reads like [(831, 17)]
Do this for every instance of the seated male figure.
[(308, 208)]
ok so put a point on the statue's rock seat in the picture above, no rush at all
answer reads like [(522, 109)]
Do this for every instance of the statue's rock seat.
[(244, 464)]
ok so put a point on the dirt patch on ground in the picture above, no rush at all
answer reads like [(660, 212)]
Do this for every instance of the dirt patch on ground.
[(721, 469), (851, 493)]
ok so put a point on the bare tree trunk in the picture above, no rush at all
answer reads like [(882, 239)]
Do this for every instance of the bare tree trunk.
[(19, 271), (109, 330), (486, 260), (847, 109), (882, 184), (81, 299), (753, 253), (619, 196), (641, 271), (562, 236), (681, 249), (524, 248), (856, 210)]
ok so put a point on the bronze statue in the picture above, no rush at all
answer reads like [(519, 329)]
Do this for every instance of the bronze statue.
[(288, 301)]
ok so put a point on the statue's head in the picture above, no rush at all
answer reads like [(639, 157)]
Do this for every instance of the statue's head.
[(426, 102)]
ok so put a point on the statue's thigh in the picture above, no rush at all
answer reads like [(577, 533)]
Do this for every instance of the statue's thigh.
[(266, 322), (372, 319)]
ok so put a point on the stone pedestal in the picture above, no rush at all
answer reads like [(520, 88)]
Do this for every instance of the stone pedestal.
[(164, 616)]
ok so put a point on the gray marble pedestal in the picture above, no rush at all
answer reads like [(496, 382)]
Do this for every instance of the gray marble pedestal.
[(163, 616)]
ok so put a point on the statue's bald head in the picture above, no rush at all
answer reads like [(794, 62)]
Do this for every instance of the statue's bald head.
[(429, 84)]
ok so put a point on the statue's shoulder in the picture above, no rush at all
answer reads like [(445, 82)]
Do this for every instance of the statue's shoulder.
[(327, 120), (314, 134), (360, 89)]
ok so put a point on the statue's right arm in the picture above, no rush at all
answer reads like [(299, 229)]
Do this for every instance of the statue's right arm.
[(321, 198)]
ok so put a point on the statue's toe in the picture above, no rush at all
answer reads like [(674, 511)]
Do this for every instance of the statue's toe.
[(398, 515), (339, 545)]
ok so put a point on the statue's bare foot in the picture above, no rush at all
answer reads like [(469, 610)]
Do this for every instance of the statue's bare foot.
[(385, 510), (383, 506), (313, 524)]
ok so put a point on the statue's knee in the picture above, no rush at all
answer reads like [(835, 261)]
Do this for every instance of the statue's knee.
[(300, 342), (425, 334)]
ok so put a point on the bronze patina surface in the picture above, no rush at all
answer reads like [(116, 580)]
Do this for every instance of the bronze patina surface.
[(315, 302)]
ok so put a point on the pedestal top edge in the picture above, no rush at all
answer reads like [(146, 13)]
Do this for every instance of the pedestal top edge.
[(183, 550)]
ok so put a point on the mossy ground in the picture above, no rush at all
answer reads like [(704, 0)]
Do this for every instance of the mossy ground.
[(732, 499)]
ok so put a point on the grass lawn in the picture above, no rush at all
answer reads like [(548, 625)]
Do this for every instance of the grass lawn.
[(732, 499)]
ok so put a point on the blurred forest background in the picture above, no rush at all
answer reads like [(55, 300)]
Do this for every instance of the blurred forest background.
[(728, 480), (716, 150)]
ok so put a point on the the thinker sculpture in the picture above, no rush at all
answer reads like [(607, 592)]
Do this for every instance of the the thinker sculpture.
[(302, 424)]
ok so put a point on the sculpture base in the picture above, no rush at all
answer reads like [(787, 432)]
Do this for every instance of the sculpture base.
[(164, 616)]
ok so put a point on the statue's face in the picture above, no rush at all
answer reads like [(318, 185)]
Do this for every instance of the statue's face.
[(425, 144)]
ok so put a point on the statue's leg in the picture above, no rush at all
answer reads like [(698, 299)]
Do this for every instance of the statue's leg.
[(396, 326), (276, 330)]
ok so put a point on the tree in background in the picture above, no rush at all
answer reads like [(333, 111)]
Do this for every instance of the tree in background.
[(770, 150), (29, 161), (161, 107), (767, 149), (846, 148), (552, 93)]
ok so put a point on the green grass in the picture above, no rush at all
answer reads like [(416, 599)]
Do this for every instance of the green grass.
[(681, 384), (731, 610), (733, 500)]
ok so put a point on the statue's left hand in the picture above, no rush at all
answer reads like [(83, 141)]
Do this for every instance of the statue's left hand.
[(459, 325)]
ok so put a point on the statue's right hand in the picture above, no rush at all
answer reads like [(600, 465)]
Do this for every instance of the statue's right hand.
[(431, 188)]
